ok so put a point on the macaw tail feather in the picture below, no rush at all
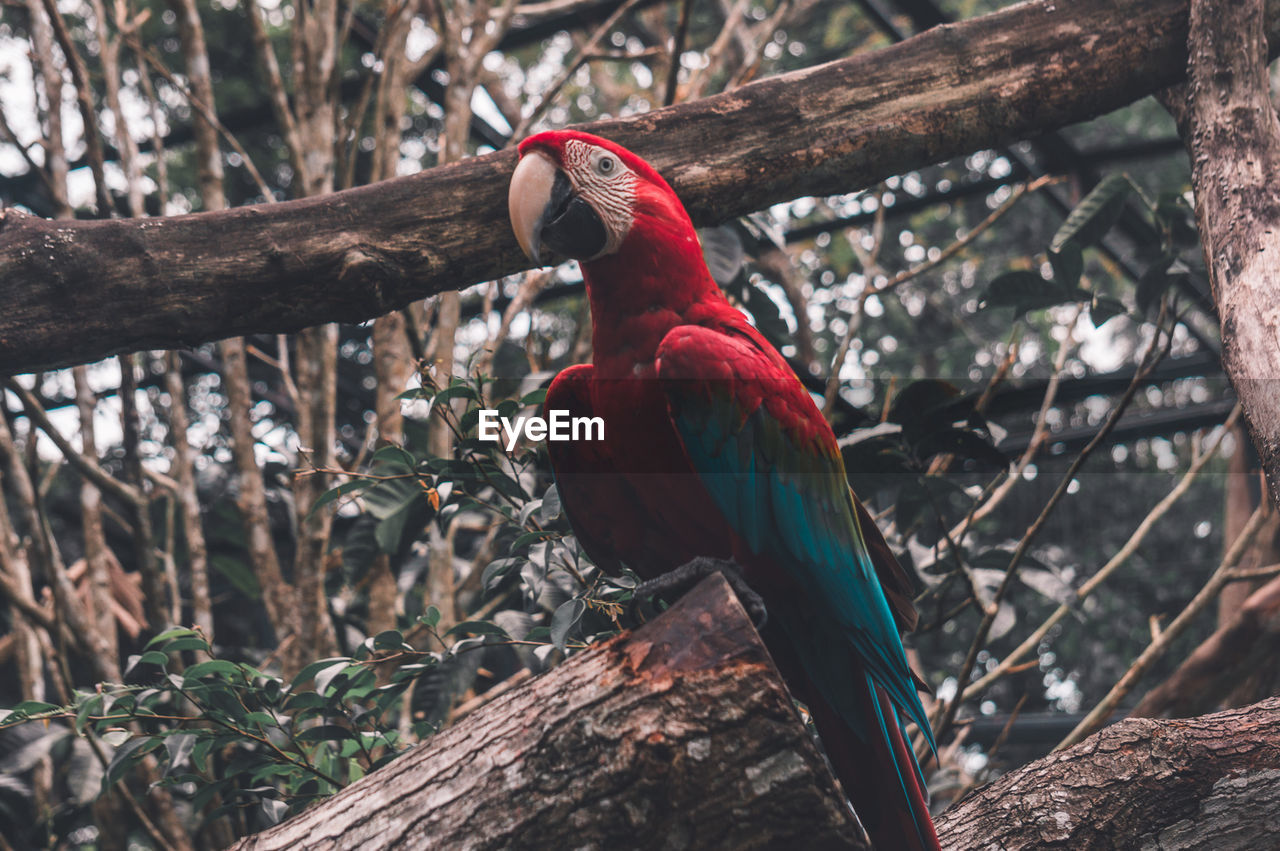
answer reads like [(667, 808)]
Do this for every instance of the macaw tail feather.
[(867, 764)]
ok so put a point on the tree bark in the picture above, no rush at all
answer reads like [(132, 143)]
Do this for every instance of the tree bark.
[(680, 734), (1208, 782), (677, 735), (1232, 135), (134, 284)]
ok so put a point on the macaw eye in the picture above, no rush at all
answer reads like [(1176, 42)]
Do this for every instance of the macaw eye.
[(605, 165)]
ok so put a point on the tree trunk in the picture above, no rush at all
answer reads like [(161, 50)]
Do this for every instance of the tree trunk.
[(1233, 138), (677, 735), (162, 283)]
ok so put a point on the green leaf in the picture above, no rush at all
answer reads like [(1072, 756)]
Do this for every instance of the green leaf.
[(400, 506), (389, 639), (918, 404), (127, 756), (327, 677), (1095, 214), (302, 701), (337, 493), (1068, 265), (1153, 283), (325, 733), (393, 455), (179, 747), (430, 617), (460, 389), (178, 632), (34, 707), (238, 573), (964, 443), (1103, 308), (478, 628), (528, 539), (534, 397), (494, 571), (216, 667), (911, 503), (191, 643), (527, 511), (310, 671), (566, 616), (551, 507), (1024, 291), (151, 657), (91, 706)]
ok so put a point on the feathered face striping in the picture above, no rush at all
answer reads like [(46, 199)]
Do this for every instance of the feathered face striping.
[(574, 194)]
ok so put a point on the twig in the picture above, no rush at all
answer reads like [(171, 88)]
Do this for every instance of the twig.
[(206, 112), (84, 100), (1019, 192), (32, 166), (1039, 434), (677, 48), (276, 89), (1098, 716), (1121, 556), (1150, 358), (86, 466), (1246, 574), (569, 70)]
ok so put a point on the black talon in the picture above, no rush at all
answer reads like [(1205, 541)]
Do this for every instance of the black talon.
[(675, 583)]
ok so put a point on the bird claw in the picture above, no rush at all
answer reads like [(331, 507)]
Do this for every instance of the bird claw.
[(675, 583)]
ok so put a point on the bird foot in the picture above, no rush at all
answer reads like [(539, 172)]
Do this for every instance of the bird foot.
[(675, 583)]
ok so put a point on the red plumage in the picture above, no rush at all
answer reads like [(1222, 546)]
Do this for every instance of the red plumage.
[(714, 448)]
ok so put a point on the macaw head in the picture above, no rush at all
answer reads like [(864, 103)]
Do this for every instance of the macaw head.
[(582, 197)]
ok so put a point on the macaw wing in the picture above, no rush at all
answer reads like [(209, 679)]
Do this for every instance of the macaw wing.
[(771, 463), (601, 505)]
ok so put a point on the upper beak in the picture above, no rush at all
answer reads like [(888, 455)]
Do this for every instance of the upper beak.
[(532, 186)]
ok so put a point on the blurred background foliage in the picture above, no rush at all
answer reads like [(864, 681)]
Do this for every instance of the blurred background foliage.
[(964, 348)]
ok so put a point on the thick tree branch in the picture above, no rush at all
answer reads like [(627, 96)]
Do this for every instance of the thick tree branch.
[(1209, 782), (124, 285), (679, 734)]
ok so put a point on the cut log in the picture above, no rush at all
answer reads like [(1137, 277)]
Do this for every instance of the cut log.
[(677, 735)]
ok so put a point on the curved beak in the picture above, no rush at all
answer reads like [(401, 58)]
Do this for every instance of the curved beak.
[(545, 210), (532, 186)]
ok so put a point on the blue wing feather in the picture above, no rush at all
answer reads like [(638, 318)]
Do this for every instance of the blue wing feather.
[(787, 495)]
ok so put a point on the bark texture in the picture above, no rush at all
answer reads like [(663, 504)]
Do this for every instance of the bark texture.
[(680, 735), (163, 283), (1208, 782), (677, 735), (1232, 134)]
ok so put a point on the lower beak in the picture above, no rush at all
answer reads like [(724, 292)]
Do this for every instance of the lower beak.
[(545, 210)]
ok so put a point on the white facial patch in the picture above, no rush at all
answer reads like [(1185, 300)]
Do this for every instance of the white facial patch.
[(602, 180)]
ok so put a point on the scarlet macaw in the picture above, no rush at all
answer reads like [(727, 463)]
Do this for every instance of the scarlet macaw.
[(713, 448)]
